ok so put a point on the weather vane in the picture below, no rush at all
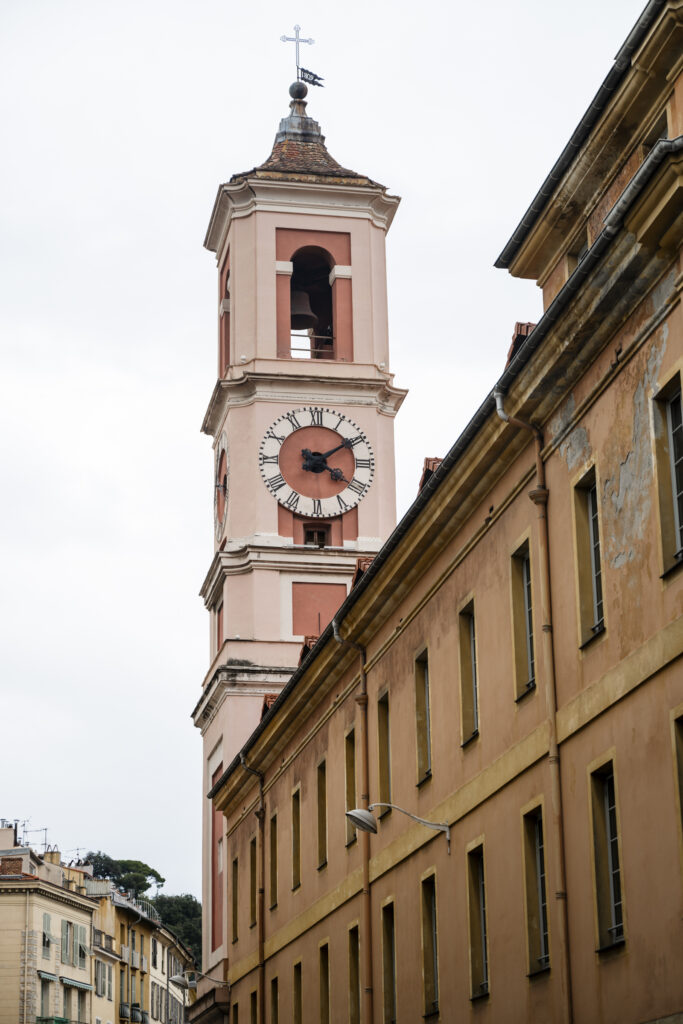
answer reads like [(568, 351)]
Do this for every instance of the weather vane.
[(302, 74)]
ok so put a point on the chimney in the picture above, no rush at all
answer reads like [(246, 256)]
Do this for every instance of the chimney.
[(428, 469), (11, 866), (519, 336)]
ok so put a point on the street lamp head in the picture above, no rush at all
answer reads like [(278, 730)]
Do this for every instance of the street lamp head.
[(362, 819), (185, 980)]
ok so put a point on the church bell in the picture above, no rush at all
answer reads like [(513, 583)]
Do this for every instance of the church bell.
[(303, 316)]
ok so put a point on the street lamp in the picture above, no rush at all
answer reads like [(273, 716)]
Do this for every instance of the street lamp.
[(188, 979), (366, 822)]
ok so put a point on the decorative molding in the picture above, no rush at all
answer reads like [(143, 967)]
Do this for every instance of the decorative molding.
[(341, 272), (284, 267)]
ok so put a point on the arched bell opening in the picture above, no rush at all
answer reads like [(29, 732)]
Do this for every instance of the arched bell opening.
[(311, 308)]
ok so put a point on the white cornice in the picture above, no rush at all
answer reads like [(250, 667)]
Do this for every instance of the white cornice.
[(345, 389), (244, 197), (277, 554)]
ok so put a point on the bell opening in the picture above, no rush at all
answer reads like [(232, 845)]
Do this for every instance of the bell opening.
[(311, 305)]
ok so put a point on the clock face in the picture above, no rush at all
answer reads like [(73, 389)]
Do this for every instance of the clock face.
[(220, 503), (316, 462)]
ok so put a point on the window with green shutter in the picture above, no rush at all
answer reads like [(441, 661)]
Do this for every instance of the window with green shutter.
[(81, 944), (65, 942), (46, 936)]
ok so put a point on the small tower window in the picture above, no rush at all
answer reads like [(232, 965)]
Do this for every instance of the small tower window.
[(317, 536), (311, 305)]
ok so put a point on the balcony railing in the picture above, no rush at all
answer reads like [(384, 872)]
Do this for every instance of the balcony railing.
[(136, 1014), (144, 963), (125, 954), (141, 906), (124, 1011), (311, 346), (52, 1020), (134, 958)]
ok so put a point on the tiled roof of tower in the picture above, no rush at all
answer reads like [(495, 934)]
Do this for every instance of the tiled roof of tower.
[(299, 152)]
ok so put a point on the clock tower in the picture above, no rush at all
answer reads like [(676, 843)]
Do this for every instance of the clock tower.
[(302, 417)]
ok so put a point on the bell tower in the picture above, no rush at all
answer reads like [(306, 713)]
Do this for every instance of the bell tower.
[(301, 417)]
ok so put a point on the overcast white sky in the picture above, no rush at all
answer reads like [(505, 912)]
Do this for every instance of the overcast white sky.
[(118, 122)]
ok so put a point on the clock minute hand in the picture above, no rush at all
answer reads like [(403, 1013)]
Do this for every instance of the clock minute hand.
[(346, 443)]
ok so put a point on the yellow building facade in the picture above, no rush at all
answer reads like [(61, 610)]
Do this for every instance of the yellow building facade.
[(509, 667), (75, 950)]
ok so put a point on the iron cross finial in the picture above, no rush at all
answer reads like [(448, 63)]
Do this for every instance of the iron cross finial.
[(296, 38)]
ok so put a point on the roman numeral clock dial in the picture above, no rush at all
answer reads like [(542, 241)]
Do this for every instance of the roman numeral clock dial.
[(316, 462)]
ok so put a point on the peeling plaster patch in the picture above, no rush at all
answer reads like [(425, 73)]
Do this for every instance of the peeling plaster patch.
[(628, 493), (663, 292), (562, 418), (575, 448)]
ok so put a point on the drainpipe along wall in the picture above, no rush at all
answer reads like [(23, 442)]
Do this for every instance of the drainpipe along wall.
[(539, 496), (261, 905), (366, 912)]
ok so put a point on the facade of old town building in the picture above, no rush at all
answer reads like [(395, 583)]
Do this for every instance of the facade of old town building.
[(499, 696), (76, 950)]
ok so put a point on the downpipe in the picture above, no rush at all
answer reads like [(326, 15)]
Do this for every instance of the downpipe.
[(539, 496)]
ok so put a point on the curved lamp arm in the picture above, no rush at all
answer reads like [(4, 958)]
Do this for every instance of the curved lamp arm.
[(182, 980), (364, 820)]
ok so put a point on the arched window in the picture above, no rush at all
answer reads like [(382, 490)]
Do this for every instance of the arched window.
[(311, 305)]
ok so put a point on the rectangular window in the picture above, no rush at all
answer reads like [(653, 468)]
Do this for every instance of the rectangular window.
[(296, 839), (675, 432), (252, 882), (423, 718), (133, 989), (122, 986), (469, 683), (274, 1001), (350, 781), (608, 882), (253, 1008), (297, 994), (354, 975), (66, 941), (591, 610), (430, 968), (273, 861), (109, 982), (219, 626), (44, 998), (81, 945), (678, 765), (479, 963), (322, 814), (46, 937), (669, 453), (384, 750), (235, 1014), (389, 964), (235, 895), (154, 952), (522, 622), (535, 889), (325, 984)]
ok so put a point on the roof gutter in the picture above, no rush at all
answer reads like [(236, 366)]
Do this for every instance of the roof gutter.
[(622, 62), (613, 223)]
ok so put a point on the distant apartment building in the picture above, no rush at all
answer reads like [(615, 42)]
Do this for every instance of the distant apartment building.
[(76, 950)]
